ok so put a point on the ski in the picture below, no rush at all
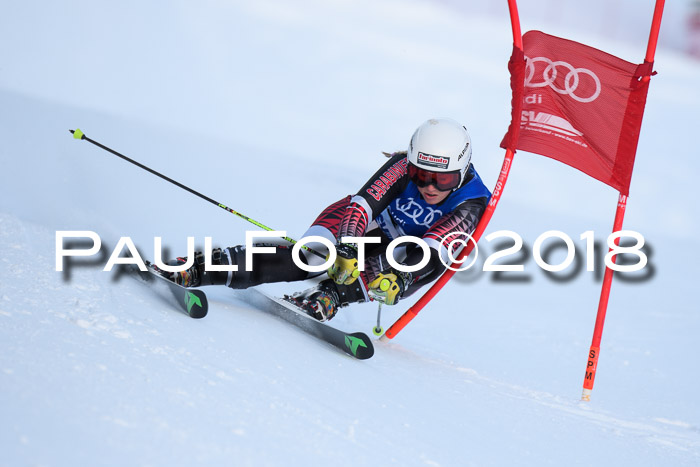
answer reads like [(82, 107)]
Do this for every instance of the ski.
[(356, 344), (191, 301)]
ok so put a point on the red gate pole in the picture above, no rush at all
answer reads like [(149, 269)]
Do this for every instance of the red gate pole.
[(592, 364), (594, 352), (485, 218)]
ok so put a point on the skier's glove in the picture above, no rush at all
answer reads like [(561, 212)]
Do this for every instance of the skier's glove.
[(345, 269), (390, 286)]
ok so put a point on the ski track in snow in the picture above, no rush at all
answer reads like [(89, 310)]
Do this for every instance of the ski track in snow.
[(656, 431)]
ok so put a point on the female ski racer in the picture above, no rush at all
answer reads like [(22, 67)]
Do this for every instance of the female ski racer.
[(431, 191)]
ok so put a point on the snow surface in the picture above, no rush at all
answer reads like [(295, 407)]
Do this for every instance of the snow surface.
[(277, 109)]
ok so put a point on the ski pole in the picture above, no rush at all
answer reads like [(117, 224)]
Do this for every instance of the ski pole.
[(378, 328), (77, 134)]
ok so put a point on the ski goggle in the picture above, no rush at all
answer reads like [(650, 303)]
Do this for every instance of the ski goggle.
[(443, 181)]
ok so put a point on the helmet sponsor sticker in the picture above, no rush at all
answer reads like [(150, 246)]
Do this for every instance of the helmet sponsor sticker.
[(438, 162), (461, 154)]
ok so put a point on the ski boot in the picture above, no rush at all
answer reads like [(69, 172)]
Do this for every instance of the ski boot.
[(320, 302), (190, 277)]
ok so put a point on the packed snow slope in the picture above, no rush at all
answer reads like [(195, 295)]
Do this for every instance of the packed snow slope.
[(277, 109)]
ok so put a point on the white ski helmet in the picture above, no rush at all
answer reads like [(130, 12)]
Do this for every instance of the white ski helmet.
[(440, 146)]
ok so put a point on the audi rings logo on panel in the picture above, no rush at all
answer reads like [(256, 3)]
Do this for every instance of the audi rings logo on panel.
[(571, 80)]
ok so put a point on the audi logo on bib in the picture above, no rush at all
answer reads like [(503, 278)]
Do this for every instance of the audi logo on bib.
[(581, 106)]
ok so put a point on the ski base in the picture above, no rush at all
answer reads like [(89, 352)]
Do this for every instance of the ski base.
[(356, 344)]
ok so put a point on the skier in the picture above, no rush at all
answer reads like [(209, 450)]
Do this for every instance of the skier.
[(430, 191)]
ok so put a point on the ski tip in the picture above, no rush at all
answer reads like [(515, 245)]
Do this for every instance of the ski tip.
[(77, 134), (196, 304), (359, 345), (198, 314)]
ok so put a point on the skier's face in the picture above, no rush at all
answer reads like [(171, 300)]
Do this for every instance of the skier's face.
[(432, 195)]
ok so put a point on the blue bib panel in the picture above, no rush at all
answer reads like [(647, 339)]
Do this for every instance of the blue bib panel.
[(410, 214)]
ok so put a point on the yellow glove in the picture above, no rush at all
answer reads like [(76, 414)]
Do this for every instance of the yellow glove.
[(389, 287), (345, 269)]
